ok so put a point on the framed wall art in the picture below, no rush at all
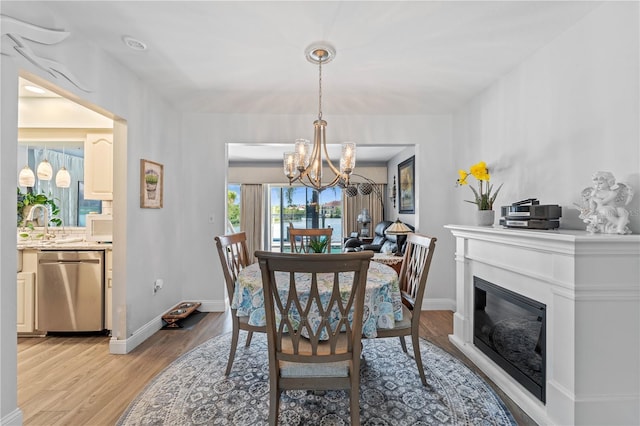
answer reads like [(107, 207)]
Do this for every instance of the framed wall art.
[(151, 184), (406, 175)]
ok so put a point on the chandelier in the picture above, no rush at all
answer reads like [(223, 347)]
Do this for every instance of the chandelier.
[(304, 164)]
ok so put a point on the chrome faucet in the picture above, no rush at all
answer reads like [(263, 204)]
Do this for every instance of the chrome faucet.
[(45, 212)]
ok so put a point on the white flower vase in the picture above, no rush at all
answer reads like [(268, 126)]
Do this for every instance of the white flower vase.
[(485, 217)]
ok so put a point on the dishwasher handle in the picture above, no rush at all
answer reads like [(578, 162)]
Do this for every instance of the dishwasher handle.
[(53, 261)]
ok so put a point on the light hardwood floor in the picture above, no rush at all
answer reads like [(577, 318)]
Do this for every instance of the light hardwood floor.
[(75, 381)]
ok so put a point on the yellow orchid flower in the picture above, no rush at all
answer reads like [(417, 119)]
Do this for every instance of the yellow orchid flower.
[(479, 171), (483, 195), (463, 177)]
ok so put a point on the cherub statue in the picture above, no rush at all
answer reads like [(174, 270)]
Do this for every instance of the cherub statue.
[(602, 207)]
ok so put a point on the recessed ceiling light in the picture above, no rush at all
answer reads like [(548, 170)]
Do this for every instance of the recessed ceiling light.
[(133, 43), (35, 89)]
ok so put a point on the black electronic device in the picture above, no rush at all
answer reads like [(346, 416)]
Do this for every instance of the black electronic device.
[(530, 214)]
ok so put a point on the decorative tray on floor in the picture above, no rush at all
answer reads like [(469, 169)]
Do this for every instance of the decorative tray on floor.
[(179, 312)]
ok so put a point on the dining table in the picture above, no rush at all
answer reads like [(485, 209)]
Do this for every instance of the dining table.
[(382, 300)]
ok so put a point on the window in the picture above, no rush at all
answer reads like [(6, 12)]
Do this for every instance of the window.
[(303, 208), (233, 208), (86, 206)]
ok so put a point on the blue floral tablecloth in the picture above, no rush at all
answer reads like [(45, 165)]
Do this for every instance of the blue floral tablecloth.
[(382, 302)]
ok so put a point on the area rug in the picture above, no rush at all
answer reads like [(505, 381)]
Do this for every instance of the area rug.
[(194, 391)]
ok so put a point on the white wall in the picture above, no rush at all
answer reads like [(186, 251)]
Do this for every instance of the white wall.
[(148, 244), (8, 294), (568, 111)]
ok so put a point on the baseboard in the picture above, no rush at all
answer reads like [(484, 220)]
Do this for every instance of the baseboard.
[(438, 305), (12, 419), (124, 346), (213, 306)]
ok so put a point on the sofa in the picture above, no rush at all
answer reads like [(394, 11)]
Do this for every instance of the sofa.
[(381, 241)]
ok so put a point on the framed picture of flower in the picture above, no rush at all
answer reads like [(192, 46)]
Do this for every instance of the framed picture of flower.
[(406, 176), (151, 184)]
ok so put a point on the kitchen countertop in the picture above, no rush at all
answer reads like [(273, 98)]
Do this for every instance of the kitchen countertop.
[(63, 244)]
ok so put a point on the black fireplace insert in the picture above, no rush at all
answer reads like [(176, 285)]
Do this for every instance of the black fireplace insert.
[(510, 329)]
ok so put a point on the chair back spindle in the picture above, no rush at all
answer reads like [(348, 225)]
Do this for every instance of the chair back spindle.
[(234, 256)]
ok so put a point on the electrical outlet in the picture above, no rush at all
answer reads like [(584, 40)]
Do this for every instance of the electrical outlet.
[(157, 285)]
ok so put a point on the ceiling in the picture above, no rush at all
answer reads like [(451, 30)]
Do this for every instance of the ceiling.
[(392, 57)]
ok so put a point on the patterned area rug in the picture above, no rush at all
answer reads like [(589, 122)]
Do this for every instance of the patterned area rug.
[(194, 391)]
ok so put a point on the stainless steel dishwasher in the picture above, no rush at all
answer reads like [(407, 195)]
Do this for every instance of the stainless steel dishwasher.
[(70, 294)]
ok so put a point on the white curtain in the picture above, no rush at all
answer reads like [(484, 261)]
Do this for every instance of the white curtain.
[(251, 216), (354, 205), (65, 198)]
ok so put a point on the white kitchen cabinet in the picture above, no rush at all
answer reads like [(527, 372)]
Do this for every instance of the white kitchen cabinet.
[(98, 166), (26, 302), (108, 276)]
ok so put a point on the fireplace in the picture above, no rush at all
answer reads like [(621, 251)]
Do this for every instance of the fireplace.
[(589, 286), (511, 330)]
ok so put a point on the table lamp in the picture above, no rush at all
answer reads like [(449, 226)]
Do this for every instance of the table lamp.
[(401, 230)]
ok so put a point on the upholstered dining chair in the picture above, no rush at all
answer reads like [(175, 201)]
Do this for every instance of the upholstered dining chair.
[(232, 250), (303, 240), (413, 278), (314, 342)]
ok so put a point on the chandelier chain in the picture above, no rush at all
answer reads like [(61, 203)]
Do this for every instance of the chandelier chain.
[(320, 87)]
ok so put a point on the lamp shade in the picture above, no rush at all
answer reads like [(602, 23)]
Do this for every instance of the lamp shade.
[(398, 228), (44, 171), (365, 188), (26, 177), (351, 191), (63, 178)]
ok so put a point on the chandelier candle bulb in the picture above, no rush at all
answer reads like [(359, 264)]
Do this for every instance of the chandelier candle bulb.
[(302, 153), (348, 158), (289, 164), (316, 170)]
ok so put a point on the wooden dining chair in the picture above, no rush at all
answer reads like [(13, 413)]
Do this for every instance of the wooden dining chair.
[(308, 240), (232, 250), (413, 278), (298, 358)]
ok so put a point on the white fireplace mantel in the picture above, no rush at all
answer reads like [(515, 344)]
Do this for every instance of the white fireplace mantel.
[(591, 287)]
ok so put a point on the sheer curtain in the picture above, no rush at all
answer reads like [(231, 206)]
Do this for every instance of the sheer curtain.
[(251, 216), (65, 198), (354, 205)]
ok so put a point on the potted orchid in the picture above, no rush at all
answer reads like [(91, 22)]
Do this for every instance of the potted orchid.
[(484, 195)]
